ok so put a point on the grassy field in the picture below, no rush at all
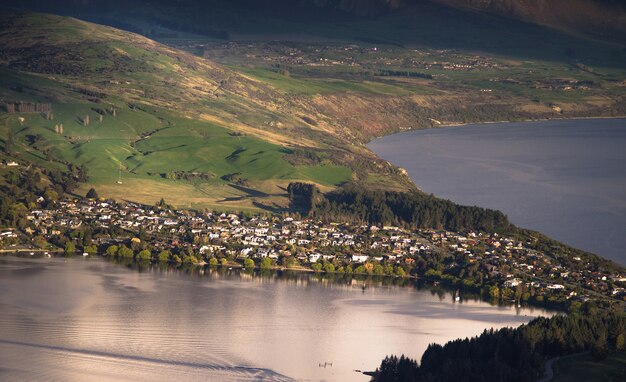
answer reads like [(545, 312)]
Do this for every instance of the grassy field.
[(147, 151), (183, 127), (584, 369), (312, 86)]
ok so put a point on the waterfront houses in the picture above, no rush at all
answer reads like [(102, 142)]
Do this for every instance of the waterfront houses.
[(485, 259)]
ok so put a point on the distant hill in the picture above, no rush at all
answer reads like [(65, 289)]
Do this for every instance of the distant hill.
[(599, 18), (605, 19)]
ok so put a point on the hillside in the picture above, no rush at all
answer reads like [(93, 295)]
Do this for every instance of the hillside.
[(229, 123), (163, 121)]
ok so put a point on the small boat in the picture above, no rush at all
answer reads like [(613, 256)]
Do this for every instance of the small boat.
[(457, 298), (32, 253), (85, 254)]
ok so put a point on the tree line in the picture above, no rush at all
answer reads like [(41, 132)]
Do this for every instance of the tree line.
[(28, 107), (512, 355)]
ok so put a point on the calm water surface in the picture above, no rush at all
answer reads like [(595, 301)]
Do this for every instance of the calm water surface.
[(566, 179), (91, 320)]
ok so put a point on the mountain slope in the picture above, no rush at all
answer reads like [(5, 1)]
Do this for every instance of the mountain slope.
[(158, 118)]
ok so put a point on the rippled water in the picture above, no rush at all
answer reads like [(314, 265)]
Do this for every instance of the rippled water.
[(566, 179), (91, 320)]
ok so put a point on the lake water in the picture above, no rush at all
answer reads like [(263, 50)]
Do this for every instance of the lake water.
[(566, 179), (86, 319)]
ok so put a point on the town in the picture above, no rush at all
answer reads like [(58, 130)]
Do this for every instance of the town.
[(498, 267)]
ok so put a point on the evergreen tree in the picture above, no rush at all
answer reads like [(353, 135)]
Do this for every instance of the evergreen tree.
[(92, 194)]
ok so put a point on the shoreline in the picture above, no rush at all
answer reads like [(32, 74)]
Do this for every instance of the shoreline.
[(527, 124), (461, 124), (425, 281), (25, 250)]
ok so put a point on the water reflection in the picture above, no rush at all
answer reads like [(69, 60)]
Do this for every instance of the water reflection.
[(94, 319)]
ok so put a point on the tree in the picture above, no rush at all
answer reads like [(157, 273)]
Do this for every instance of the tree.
[(389, 269), (266, 263), (9, 142), (92, 194), (329, 267), (619, 342), (248, 263), (360, 269), (144, 255), (290, 262), (70, 248), (164, 256), (112, 250), (223, 262), (494, 292), (190, 259), (124, 251), (90, 249), (378, 270), (213, 262), (317, 267)]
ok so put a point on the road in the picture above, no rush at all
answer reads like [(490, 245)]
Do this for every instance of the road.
[(548, 372)]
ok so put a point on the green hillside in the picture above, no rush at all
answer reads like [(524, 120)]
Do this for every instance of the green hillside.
[(159, 119)]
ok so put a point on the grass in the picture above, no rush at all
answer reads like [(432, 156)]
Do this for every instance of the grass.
[(312, 86), (584, 368), (145, 146)]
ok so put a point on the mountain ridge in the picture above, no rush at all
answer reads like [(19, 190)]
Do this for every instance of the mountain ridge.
[(604, 19)]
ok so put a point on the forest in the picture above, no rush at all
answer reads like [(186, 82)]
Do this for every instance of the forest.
[(512, 355), (22, 190), (415, 209)]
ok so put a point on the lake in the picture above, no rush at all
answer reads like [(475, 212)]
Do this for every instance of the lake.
[(88, 319), (564, 178)]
